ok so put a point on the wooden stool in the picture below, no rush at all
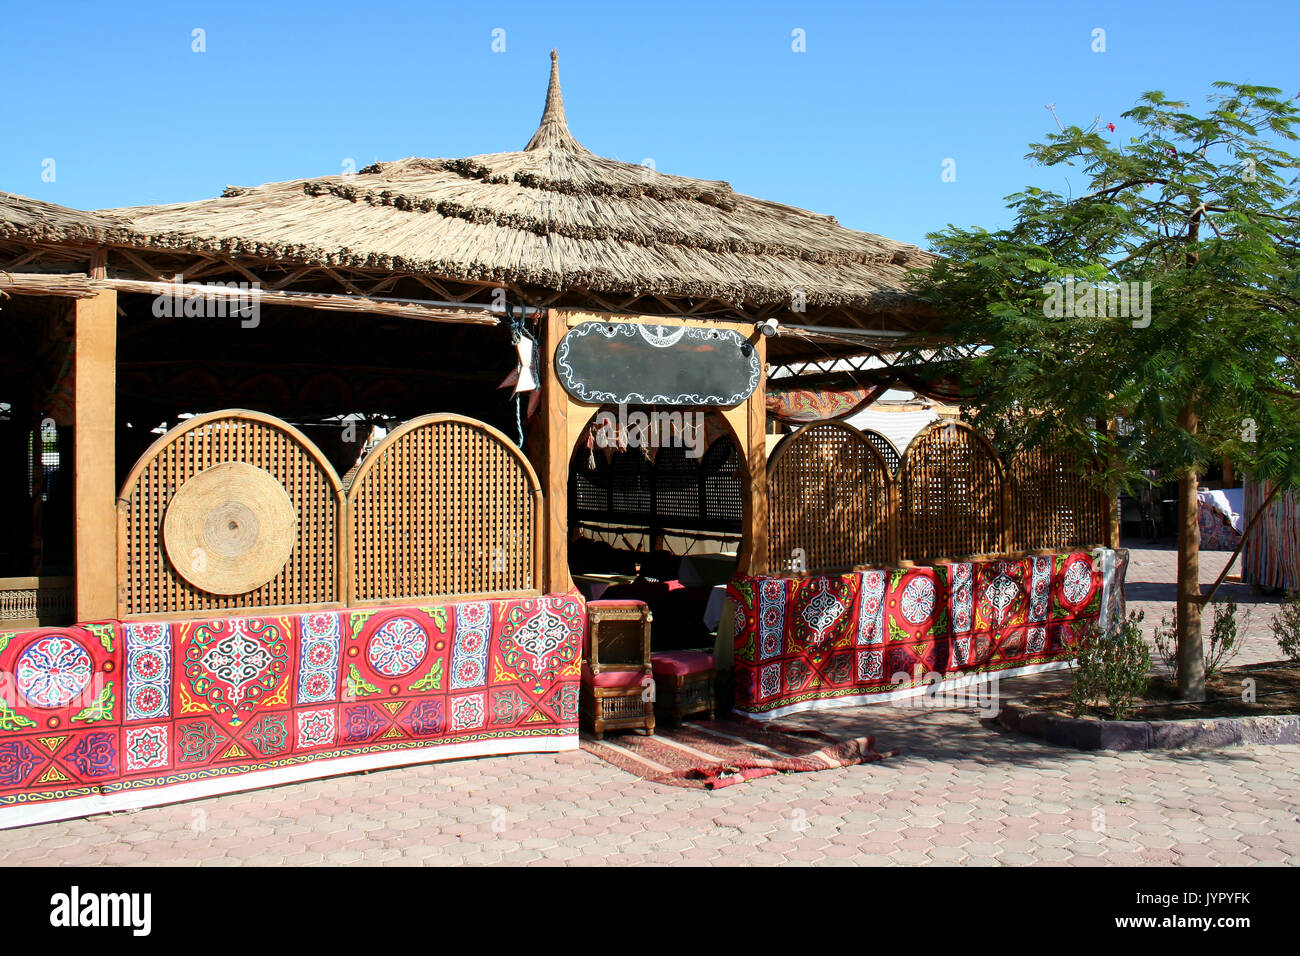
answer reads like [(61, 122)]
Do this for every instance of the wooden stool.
[(616, 674), (683, 684)]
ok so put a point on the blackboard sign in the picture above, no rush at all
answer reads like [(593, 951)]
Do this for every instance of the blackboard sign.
[(629, 363)]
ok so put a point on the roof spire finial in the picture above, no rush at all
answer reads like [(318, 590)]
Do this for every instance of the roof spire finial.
[(553, 133)]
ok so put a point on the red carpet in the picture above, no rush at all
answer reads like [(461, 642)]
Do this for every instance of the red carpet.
[(709, 754)]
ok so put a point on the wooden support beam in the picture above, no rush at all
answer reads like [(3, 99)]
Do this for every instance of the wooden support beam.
[(74, 284), (94, 446), (406, 308)]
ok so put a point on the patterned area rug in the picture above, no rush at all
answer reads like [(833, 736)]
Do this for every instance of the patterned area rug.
[(710, 754)]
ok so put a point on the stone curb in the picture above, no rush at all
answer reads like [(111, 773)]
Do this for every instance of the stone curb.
[(1150, 734)]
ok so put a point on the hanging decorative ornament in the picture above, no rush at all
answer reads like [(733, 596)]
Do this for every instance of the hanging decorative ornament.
[(526, 379)]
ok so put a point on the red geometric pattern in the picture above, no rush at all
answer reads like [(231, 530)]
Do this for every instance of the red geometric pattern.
[(836, 639), (239, 700)]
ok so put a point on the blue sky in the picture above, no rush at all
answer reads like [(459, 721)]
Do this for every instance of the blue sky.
[(857, 126)]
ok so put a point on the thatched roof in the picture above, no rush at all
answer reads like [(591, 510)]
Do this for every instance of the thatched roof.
[(553, 215), (37, 221)]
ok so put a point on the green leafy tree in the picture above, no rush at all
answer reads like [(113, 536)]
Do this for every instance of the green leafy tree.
[(1147, 320)]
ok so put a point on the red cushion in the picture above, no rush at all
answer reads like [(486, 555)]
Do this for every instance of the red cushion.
[(612, 678), (681, 663)]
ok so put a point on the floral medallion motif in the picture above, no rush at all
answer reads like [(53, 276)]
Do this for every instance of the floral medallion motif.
[(53, 671), (917, 602), (1077, 582), (397, 647)]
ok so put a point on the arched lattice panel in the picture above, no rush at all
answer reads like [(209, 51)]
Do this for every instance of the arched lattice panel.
[(1052, 503), (886, 448), (950, 495), (257, 489), (828, 500), (444, 506)]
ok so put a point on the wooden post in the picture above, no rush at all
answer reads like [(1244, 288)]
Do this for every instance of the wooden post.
[(753, 557), (94, 446), (551, 457), (1113, 531)]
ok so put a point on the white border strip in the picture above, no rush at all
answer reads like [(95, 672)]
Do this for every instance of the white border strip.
[(51, 810), (838, 703)]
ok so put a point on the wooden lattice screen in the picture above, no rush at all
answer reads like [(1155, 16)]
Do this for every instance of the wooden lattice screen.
[(886, 448), (950, 495), (147, 582), (672, 491), (445, 506), (722, 486), (1053, 506), (829, 493)]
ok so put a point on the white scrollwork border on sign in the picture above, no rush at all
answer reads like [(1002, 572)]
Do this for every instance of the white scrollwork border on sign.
[(660, 336)]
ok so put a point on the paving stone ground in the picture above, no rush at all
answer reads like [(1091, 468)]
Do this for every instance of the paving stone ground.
[(962, 791)]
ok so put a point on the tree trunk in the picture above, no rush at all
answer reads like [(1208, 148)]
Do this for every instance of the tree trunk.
[(1191, 656)]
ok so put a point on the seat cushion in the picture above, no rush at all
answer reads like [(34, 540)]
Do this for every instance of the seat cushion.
[(681, 663), (612, 678)]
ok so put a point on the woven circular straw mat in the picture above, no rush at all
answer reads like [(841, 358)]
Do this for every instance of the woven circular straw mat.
[(230, 528)]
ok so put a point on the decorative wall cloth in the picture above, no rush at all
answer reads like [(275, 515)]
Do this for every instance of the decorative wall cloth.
[(1271, 555), (833, 641), (802, 405), (114, 715)]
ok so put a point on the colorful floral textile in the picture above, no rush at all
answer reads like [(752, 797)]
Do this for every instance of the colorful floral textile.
[(872, 635), (116, 715)]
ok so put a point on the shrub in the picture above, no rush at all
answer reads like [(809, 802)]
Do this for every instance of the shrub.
[(1286, 626), (1166, 641), (1223, 637), (1115, 669)]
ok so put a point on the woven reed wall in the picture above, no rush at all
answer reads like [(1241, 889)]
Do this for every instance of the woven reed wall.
[(147, 582), (1052, 507), (445, 506), (833, 494), (829, 505)]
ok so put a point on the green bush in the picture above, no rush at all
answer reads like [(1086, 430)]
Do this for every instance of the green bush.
[(1223, 637), (1115, 669), (1166, 640), (1286, 626)]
